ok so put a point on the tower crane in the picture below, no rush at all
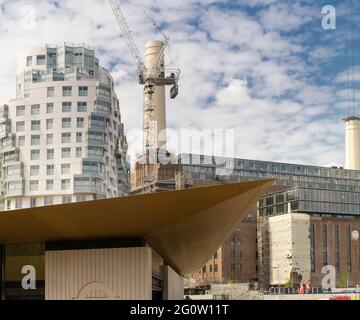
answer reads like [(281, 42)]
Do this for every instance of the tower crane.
[(149, 76)]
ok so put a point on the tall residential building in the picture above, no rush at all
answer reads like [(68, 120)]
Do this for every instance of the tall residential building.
[(62, 138)]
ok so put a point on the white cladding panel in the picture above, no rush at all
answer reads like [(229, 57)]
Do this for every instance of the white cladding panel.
[(117, 273), (173, 285)]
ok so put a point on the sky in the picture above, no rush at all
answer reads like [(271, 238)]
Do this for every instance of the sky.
[(266, 69)]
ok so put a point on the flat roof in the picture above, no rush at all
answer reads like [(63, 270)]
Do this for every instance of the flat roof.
[(185, 227)]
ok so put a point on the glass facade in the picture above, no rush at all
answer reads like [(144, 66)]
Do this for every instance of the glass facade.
[(312, 189), (287, 175), (314, 201)]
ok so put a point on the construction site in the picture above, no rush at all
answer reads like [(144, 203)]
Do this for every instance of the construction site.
[(294, 231)]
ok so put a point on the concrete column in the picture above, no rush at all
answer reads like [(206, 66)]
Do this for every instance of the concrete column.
[(173, 284), (352, 143), (152, 49)]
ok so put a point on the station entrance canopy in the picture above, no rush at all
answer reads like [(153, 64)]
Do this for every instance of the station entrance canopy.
[(185, 226)]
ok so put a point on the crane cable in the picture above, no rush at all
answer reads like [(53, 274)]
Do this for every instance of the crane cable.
[(158, 28), (351, 79)]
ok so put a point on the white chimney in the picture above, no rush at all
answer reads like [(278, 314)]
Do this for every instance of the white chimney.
[(352, 143), (152, 50)]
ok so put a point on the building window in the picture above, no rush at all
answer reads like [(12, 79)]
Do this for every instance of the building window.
[(50, 169), (81, 106), (80, 122), (325, 245), (78, 152), (13, 171), (20, 126), (80, 197), (29, 61), (215, 268), (50, 92), (312, 247), (40, 60), (49, 138), (79, 137), (49, 184), (65, 184), (35, 140), (65, 168), (66, 123), (233, 254), (337, 249), (35, 154), (34, 170), (50, 154), (67, 91), (20, 111), (49, 107), (21, 141), (66, 137), (83, 91), (48, 201), (35, 109), (65, 153), (32, 202), (49, 124), (34, 185), (18, 203), (66, 107), (35, 125), (348, 247), (66, 199)]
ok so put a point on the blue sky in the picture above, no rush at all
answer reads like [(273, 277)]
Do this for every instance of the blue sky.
[(265, 68)]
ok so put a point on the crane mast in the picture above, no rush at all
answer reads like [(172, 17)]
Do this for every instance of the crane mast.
[(149, 76)]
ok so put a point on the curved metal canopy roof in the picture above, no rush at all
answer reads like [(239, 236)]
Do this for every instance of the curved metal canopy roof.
[(185, 226)]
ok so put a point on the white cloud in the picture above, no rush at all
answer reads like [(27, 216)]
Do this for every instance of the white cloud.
[(276, 115)]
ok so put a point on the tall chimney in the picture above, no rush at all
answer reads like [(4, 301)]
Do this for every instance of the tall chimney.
[(152, 50), (352, 143)]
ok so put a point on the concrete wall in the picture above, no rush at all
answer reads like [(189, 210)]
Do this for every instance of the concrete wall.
[(173, 285), (121, 273), (289, 247)]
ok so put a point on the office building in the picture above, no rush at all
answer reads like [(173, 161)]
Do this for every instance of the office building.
[(62, 137)]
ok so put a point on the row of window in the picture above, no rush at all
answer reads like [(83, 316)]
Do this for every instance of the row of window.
[(48, 201), (36, 124), (35, 169), (66, 107), (325, 253), (34, 184), (65, 153), (65, 138), (40, 60), (210, 268), (67, 91)]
